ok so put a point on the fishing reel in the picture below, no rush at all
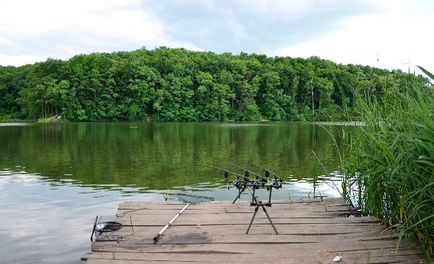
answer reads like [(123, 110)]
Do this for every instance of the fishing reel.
[(257, 184), (240, 182), (237, 183), (277, 183)]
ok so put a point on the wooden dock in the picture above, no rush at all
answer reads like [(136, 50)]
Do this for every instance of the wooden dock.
[(309, 232)]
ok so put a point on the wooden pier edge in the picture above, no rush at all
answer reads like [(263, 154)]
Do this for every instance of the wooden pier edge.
[(309, 232)]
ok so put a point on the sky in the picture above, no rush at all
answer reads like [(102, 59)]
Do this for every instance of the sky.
[(392, 34)]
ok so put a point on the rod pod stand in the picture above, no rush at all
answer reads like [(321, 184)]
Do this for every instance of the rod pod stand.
[(260, 204), (252, 185)]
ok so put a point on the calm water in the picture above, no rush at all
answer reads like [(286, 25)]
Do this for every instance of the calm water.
[(54, 179)]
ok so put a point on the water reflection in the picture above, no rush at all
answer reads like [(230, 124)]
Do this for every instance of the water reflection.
[(166, 155), (47, 223)]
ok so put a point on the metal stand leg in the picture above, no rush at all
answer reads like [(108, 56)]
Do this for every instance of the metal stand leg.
[(269, 219), (266, 213), (253, 218)]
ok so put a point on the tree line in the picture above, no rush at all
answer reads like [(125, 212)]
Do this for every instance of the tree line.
[(167, 84)]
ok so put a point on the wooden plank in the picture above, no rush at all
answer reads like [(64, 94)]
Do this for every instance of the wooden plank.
[(239, 205), (373, 256), (231, 210), (140, 232), (186, 219), (258, 251)]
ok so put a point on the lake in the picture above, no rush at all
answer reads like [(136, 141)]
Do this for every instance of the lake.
[(55, 178)]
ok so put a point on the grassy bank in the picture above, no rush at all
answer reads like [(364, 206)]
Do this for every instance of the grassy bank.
[(391, 166)]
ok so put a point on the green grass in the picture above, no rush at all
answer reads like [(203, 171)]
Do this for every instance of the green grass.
[(392, 163)]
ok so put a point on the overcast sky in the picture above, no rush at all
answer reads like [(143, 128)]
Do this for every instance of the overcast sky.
[(383, 33)]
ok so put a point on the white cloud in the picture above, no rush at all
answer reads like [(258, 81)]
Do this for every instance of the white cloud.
[(48, 28), (19, 59), (279, 8), (398, 37), (393, 31), (292, 10)]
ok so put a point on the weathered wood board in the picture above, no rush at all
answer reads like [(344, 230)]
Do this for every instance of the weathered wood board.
[(309, 232)]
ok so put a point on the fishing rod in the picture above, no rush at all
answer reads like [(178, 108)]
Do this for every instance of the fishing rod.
[(275, 184), (267, 172), (246, 178), (226, 173), (263, 179), (241, 185), (258, 183)]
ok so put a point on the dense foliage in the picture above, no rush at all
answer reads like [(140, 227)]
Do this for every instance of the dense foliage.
[(179, 85), (392, 163)]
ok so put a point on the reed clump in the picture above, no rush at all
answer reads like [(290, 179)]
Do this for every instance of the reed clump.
[(392, 162)]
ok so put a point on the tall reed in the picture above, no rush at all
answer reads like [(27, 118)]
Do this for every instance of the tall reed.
[(392, 162)]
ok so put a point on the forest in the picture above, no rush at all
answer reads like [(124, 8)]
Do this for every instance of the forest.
[(167, 84)]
